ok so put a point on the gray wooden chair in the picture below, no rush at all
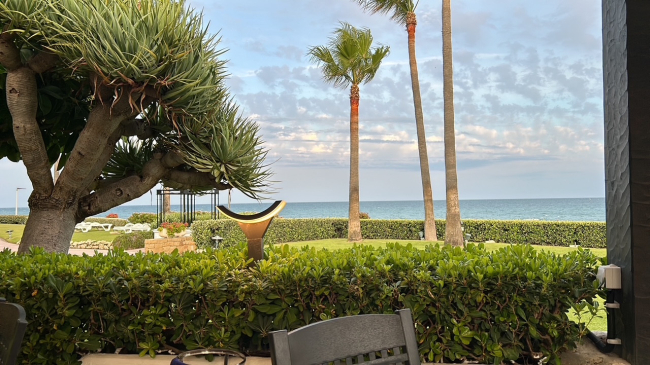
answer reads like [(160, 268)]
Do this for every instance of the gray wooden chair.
[(371, 339), (12, 330)]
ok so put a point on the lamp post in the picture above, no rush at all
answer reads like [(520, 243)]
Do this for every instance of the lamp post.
[(17, 198)]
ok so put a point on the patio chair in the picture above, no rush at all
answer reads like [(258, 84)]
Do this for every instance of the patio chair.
[(375, 339), (12, 330)]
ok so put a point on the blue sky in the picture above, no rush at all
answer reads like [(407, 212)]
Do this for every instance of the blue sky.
[(528, 99)]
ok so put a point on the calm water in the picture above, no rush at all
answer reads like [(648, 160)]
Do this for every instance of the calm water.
[(579, 209)]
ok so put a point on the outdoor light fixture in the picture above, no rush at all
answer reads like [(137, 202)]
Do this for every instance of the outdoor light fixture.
[(17, 198)]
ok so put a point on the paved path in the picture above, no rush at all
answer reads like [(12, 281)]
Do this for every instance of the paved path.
[(73, 251)]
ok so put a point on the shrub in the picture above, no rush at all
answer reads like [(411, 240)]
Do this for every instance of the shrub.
[(114, 221), (13, 219), (130, 241), (586, 234), (487, 307), (150, 218), (363, 215)]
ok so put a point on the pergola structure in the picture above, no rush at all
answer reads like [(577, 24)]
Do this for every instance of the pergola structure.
[(187, 204), (626, 67)]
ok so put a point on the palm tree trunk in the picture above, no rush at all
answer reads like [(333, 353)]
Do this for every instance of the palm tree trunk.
[(453, 231), (167, 200), (430, 233), (354, 222)]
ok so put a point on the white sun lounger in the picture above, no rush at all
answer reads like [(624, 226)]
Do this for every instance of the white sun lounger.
[(87, 226), (126, 228)]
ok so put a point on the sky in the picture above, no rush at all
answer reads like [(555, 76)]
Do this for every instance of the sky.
[(528, 100)]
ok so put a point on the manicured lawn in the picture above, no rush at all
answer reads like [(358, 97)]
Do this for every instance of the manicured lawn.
[(598, 323), (94, 235), (336, 244)]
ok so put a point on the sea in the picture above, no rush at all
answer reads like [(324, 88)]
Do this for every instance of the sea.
[(571, 209)]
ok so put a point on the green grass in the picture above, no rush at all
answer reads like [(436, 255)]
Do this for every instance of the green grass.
[(596, 323), (94, 235), (337, 244)]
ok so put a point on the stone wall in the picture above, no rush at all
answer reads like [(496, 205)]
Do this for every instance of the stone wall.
[(168, 245), (94, 245)]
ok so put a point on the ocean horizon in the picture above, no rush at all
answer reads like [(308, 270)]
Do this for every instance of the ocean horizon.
[(551, 209)]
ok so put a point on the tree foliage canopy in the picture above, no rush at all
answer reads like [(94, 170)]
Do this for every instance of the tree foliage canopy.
[(349, 58), (125, 94), (398, 9), (158, 56)]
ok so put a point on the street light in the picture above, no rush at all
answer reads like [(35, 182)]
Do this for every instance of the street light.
[(17, 198)]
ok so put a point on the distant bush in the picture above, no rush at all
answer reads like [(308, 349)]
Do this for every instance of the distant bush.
[(13, 219), (130, 241), (586, 234), (114, 221), (363, 215), (150, 218)]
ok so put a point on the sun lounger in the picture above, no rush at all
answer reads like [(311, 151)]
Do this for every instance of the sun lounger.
[(105, 226), (125, 229), (143, 227), (83, 226), (130, 227)]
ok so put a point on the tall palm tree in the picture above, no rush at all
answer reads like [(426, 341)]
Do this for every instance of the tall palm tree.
[(403, 12), (349, 59), (453, 231)]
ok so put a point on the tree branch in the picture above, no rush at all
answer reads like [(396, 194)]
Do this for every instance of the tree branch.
[(22, 100), (107, 151), (193, 178), (137, 127), (85, 157), (128, 188), (42, 62), (9, 53)]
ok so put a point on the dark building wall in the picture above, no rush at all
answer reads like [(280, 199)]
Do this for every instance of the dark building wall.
[(626, 66)]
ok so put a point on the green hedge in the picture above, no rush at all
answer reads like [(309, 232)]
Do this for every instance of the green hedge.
[(470, 305), (116, 222), (152, 218), (129, 241), (586, 234), (13, 219)]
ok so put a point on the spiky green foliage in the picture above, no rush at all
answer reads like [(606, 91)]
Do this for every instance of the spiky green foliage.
[(159, 43), (129, 158), (349, 58), (227, 146), (398, 9)]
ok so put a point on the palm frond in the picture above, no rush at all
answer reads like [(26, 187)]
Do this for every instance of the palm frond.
[(398, 9), (349, 58)]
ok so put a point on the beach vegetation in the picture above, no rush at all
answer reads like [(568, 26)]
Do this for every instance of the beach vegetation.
[(403, 12), (124, 95), (470, 305), (350, 60)]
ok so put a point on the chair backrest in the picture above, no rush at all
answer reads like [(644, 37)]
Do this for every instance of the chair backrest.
[(362, 339), (12, 330)]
